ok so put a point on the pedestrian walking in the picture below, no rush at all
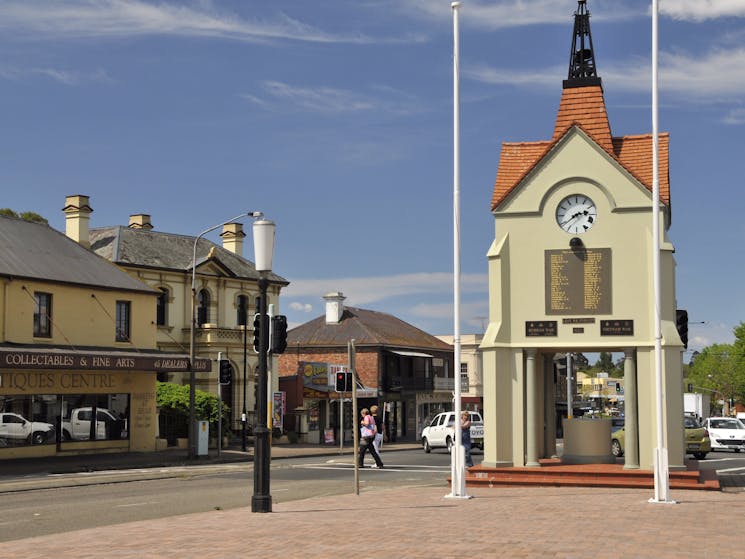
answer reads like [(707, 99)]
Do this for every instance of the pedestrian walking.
[(465, 435), (367, 436), (380, 429)]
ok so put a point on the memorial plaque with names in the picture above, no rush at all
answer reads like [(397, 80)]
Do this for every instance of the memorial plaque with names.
[(541, 328), (578, 281), (616, 327)]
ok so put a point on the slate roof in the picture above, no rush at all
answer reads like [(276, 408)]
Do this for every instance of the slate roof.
[(36, 251), (584, 107), (168, 251), (367, 328)]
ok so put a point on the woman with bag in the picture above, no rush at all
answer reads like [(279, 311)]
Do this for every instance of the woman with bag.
[(367, 436)]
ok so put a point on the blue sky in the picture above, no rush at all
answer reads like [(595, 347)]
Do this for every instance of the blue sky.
[(335, 120)]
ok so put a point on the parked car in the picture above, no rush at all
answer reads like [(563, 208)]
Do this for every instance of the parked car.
[(696, 439), (14, 426), (78, 426), (440, 433), (727, 433)]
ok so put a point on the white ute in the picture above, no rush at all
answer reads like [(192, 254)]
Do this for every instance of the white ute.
[(440, 433)]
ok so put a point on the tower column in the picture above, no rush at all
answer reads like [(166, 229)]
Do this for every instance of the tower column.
[(531, 408)]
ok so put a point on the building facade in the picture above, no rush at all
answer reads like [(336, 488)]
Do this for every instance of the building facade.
[(78, 351), (471, 370), (224, 297), (397, 364)]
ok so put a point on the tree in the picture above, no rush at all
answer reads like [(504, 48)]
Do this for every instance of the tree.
[(28, 216), (721, 368), (176, 397)]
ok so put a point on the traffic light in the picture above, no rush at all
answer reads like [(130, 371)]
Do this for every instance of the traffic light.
[(225, 371), (279, 333), (257, 330), (681, 323), (343, 381), (618, 387)]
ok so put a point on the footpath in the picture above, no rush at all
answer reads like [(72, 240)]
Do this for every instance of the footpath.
[(410, 522)]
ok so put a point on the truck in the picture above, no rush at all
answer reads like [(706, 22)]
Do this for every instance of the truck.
[(697, 405), (441, 431), (14, 427), (77, 427)]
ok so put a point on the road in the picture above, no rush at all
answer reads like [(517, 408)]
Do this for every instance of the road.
[(203, 488)]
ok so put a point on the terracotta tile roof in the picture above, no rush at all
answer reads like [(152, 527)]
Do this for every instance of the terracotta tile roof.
[(583, 107), (367, 328)]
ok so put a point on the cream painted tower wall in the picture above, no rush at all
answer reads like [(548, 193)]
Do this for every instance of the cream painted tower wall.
[(525, 227)]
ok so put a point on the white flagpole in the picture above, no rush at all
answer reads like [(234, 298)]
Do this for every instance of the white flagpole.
[(661, 469), (457, 456)]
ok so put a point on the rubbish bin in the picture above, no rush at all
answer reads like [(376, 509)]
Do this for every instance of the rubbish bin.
[(203, 438)]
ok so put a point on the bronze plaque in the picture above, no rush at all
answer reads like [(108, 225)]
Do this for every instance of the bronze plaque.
[(578, 281), (616, 327), (541, 328)]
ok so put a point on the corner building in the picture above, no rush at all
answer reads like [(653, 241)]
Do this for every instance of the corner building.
[(78, 354)]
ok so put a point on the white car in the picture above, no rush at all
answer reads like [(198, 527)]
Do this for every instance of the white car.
[(16, 427), (440, 433), (726, 433)]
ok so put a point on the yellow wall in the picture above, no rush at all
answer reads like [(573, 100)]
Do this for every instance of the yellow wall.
[(82, 316)]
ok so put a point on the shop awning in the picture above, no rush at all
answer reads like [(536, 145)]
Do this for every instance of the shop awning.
[(410, 353)]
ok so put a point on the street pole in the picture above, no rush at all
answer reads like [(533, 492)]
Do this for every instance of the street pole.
[(261, 501), (244, 415)]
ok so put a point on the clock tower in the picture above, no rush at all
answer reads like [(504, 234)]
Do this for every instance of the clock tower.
[(570, 271)]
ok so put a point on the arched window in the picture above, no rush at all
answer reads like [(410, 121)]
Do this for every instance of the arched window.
[(161, 318), (242, 319), (203, 310)]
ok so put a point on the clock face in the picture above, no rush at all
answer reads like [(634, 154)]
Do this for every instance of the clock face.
[(576, 214)]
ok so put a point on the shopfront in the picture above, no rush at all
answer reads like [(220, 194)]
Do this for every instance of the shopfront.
[(320, 413), (62, 401)]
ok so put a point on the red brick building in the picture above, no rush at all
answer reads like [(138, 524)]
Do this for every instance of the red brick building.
[(396, 363)]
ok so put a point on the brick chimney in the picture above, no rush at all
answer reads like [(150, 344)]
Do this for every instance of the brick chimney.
[(77, 218), (334, 307), (232, 238), (140, 221)]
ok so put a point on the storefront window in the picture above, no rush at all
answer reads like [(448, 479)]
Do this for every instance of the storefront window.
[(42, 419)]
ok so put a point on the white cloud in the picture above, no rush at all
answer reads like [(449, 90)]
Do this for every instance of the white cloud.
[(323, 99), (302, 307), (65, 77), (700, 10), (499, 14), (121, 18), (735, 116), (716, 76), (363, 291)]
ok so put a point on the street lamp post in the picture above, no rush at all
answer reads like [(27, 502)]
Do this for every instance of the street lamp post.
[(263, 231), (192, 334)]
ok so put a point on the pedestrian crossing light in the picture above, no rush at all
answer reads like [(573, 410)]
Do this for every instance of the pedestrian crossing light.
[(681, 323), (225, 372), (279, 334), (344, 381)]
